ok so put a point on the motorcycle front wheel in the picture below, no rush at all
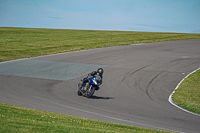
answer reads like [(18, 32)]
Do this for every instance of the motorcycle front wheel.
[(79, 87), (90, 92)]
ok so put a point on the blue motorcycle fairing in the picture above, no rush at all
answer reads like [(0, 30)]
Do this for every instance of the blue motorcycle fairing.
[(91, 82), (96, 87)]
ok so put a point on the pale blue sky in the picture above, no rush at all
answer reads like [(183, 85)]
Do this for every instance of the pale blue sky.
[(181, 16)]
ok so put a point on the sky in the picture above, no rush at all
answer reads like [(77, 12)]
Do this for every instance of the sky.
[(179, 16)]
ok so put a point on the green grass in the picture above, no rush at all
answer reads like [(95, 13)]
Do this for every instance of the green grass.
[(15, 119), (188, 94), (17, 43)]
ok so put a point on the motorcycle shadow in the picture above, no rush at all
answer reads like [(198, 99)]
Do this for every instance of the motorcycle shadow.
[(104, 98)]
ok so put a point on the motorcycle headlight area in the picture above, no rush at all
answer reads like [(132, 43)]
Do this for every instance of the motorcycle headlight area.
[(97, 80)]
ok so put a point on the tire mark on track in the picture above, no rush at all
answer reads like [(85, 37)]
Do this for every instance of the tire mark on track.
[(148, 85), (132, 72)]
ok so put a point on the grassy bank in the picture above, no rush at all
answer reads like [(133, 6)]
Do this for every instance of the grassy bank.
[(17, 43), (16, 119), (188, 94)]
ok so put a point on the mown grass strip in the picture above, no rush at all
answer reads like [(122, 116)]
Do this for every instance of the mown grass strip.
[(17, 43), (187, 95), (17, 119)]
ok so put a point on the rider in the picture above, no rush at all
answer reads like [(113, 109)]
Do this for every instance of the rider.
[(94, 73)]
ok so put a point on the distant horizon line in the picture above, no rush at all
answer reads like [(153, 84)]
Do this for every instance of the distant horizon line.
[(97, 29)]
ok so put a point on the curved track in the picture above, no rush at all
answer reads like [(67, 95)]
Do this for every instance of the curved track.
[(137, 82)]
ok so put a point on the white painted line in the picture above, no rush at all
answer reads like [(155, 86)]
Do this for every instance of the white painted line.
[(44, 56), (14, 60), (138, 44), (170, 97), (68, 52), (52, 55), (185, 56)]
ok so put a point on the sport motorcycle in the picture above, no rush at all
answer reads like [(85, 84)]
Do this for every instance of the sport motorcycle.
[(89, 87)]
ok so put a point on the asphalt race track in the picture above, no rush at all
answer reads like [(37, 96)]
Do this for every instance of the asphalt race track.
[(137, 82)]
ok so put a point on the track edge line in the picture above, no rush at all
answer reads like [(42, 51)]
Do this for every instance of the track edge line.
[(170, 97)]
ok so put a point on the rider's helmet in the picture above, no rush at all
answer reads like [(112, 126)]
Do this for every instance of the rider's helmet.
[(100, 71)]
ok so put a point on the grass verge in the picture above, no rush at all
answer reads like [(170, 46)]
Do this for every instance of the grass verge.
[(16, 119), (187, 95), (17, 43)]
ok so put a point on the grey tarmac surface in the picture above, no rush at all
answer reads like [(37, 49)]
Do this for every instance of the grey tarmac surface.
[(137, 82)]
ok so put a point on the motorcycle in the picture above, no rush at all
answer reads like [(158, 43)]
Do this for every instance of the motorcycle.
[(89, 87)]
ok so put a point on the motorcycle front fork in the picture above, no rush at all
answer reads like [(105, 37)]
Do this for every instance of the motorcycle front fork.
[(86, 86)]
